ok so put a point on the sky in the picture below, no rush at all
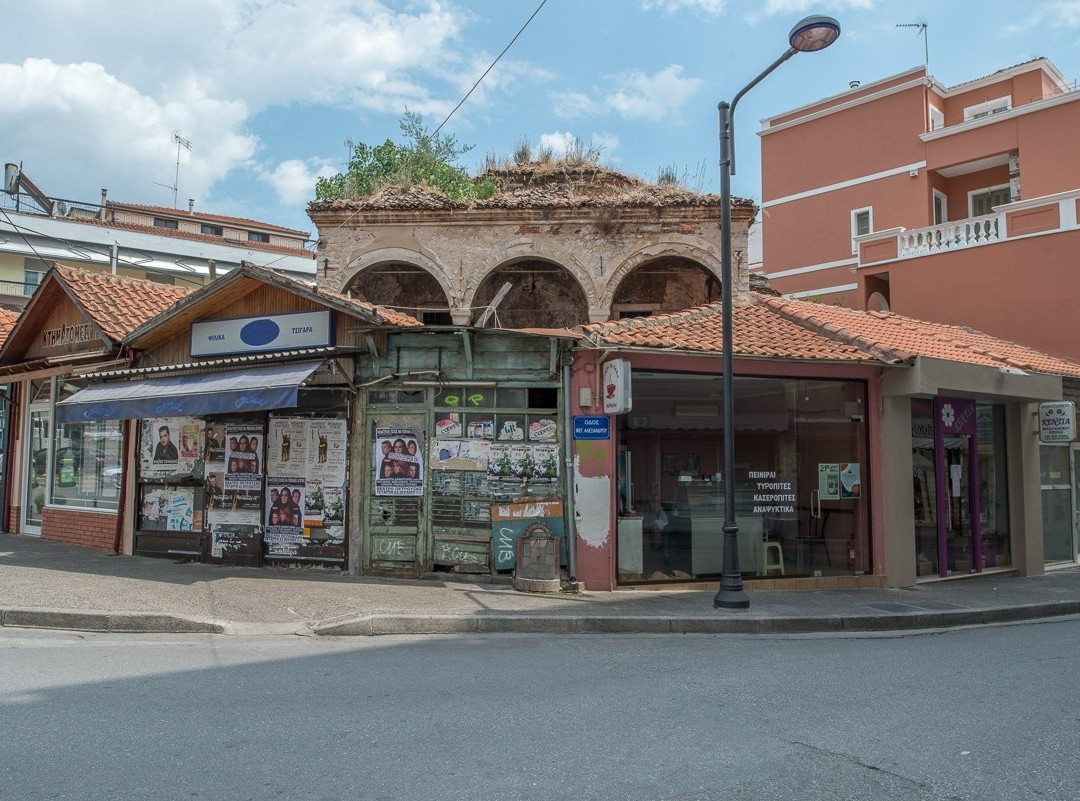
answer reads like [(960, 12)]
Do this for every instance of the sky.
[(268, 92)]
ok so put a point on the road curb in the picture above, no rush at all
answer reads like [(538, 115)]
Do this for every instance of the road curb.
[(111, 622), (495, 623)]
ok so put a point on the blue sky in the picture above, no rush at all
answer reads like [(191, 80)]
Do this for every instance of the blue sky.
[(269, 90)]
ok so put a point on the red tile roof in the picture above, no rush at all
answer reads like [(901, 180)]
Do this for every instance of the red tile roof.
[(903, 338), (117, 304), (777, 328), (757, 332), (7, 322)]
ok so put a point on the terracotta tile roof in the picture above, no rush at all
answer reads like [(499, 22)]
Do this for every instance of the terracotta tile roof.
[(895, 337), (776, 328), (117, 304), (205, 217), (757, 330), (7, 322), (193, 237)]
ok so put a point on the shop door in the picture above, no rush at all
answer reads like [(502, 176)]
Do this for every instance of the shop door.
[(395, 541), (1060, 501), (36, 459), (959, 537)]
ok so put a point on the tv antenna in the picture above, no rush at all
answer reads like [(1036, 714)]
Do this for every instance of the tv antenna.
[(923, 30), (186, 144)]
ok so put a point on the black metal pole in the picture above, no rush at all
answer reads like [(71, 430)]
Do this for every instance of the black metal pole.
[(731, 595)]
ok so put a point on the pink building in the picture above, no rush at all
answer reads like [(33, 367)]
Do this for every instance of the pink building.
[(954, 204)]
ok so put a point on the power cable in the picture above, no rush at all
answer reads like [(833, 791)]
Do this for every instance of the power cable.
[(472, 89)]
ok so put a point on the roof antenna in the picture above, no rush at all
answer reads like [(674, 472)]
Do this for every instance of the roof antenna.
[(923, 29), (181, 142)]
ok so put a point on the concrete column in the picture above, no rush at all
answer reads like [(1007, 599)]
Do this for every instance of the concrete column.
[(1025, 496), (897, 495)]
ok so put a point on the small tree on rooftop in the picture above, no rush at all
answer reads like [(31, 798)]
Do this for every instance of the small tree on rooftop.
[(423, 159)]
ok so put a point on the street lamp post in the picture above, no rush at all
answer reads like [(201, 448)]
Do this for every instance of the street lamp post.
[(809, 35)]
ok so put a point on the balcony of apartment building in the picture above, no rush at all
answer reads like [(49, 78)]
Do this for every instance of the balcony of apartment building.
[(1010, 272)]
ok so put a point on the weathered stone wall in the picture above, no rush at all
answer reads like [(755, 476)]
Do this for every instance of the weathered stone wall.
[(598, 246)]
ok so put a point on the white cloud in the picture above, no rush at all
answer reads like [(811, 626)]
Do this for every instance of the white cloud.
[(653, 97), (561, 141), (293, 179), (804, 6), (95, 101), (710, 7), (1054, 14), (635, 96), (77, 118), (572, 104)]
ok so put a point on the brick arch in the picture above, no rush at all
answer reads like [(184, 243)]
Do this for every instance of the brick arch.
[(415, 258), (584, 280), (708, 260)]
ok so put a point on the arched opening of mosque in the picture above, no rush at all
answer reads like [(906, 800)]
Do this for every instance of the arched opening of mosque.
[(541, 295), (666, 284), (404, 287)]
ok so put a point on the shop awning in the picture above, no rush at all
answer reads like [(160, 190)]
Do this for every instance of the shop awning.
[(234, 391)]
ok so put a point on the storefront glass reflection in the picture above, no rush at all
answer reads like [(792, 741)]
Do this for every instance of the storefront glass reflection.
[(800, 478)]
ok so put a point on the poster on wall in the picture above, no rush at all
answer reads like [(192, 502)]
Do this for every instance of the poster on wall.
[(286, 447), (169, 509), (215, 443), (452, 454), (169, 446), (243, 459), (524, 464), (326, 451), (284, 509), (399, 465)]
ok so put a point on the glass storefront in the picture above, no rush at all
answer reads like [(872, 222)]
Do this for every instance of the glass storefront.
[(75, 465), (800, 473)]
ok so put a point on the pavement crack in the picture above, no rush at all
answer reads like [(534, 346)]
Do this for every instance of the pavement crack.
[(922, 786)]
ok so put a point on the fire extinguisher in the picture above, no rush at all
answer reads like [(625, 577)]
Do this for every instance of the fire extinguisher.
[(851, 554)]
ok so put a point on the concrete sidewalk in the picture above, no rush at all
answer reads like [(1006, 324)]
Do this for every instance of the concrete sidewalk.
[(45, 584)]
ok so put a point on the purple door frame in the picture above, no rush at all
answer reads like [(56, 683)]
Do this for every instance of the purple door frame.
[(956, 416)]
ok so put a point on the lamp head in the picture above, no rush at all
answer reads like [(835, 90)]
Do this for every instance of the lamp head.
[(814, 33)]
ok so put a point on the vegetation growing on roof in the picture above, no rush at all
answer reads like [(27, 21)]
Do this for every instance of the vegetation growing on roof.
[(424, 158)]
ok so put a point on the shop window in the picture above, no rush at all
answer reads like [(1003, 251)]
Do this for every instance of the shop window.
[(801, 457), (87, 464)]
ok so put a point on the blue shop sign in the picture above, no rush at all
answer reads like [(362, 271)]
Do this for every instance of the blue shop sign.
[(592, 427)]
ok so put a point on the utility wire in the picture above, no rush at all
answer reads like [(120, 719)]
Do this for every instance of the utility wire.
[(479, 80)]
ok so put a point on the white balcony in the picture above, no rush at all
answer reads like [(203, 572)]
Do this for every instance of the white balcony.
[(972, 232), (1021, 219)]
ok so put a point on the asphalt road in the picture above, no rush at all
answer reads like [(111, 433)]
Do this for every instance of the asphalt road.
[(983, 714)]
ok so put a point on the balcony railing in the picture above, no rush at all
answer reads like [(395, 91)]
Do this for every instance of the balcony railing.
[(956, 235), (1048, 214)]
